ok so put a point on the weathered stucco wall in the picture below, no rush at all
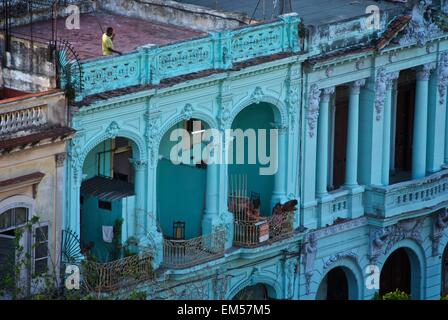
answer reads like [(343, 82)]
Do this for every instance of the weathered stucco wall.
[(28, 66), (195, 17)]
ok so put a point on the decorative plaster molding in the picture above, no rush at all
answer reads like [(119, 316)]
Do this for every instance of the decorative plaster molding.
[(187, 111), (439, 224), (112, 130), (355, 86), (309, 251), (257, 95), (424, 71), (339, 256), (421, 29), (380, 92), (60, 159), (383, 239), (152, 136), (326, 94), (313, 108), (442, 73)]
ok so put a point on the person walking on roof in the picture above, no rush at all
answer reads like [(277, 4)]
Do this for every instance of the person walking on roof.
[(107, 42)]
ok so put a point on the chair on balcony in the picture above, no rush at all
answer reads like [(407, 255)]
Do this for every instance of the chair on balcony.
[(178, 230)]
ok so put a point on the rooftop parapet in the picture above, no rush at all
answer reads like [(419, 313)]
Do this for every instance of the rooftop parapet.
[(148, 65)]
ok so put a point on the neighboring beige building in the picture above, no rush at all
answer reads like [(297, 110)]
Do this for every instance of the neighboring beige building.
[(33, 136)]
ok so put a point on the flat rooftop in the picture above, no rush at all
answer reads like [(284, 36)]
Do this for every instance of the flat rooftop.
[(312, 12), (130, 33)]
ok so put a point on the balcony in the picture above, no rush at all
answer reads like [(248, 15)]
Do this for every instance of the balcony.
[(254, 230), (414, 195), (179, 254), (109, 276)]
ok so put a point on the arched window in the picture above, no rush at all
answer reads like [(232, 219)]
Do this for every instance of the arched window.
[(13, 218)]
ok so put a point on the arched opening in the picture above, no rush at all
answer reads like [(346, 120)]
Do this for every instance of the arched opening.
[(107, 199), (181, 180), (396, 273), (258, 291), (244, 169), (338, 284), (445, 272), (257, 177)]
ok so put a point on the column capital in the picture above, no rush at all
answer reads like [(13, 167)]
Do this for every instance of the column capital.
[(326, 93), (281, 127), (390, 78), (423, 72), (139, 164), (355, 86)]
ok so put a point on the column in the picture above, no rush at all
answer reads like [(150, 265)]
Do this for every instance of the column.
[(211, 198), (138, 225), (279, 192), (351, 170), (387, 127), (420, 122), (322, 142)]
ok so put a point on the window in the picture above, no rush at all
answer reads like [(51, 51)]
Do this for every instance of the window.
[(13, 218), (41, 255), (106, 205)]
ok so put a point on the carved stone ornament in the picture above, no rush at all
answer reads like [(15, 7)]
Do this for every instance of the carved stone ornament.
[(152, 136), (383, 239), (380, 92), (313, 109), (257, 95), (113, 129), (439, 224), (442, 73), (309, 251), (421, 28)]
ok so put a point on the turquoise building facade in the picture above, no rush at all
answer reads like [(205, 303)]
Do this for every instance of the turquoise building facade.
[(360, 112)]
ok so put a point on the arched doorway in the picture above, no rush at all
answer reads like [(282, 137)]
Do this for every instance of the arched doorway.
[(108, 204), (181, 180), (334, 286), (255, 292), (396, 273), (445, 272), (245, 176)]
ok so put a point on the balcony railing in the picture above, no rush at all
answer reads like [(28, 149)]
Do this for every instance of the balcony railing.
[(104, 277), (187, 253), (407, 196), (24, 119), (252, 231), (218, 50)]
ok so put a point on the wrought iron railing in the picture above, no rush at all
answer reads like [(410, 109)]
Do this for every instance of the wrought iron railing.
[(251, 230), (104, 277), (186, 253)]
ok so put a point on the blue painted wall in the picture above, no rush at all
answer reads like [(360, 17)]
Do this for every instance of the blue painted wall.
[(257, 116)]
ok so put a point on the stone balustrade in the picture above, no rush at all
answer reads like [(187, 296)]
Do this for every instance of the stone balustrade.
[(408, 196), (24, 119), (149, 65)]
